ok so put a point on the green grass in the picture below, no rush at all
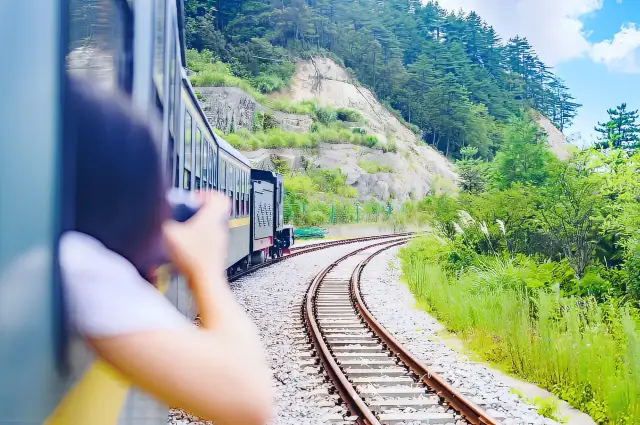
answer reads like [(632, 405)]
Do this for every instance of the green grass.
[(275, 138), (584, 352), (373, 167)]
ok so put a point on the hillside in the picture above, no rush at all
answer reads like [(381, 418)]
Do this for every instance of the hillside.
[(413, 169)]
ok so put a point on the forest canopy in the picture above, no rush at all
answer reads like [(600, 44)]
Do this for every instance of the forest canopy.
[(447, 73)]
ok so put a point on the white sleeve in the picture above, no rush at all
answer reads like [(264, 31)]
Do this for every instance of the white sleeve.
[(105, 295)]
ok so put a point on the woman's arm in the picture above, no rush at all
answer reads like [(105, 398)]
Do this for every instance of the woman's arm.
[(217, 371)]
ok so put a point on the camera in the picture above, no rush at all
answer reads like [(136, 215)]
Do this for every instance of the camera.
[(184, 204)]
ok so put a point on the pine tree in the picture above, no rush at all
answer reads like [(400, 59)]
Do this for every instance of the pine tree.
[(621, 131)]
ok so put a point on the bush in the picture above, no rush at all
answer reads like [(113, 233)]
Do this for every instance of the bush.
[(373, 167), (370, 141), (324, 115), (390, 146), (267, 83), (348, 115)]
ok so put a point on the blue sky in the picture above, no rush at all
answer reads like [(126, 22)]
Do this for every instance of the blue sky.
[(594, 45)]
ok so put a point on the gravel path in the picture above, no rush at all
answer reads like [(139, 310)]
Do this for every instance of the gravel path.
[(391, 303), (272, 297)]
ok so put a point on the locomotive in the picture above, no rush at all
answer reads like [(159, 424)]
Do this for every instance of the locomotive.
[(137, 47)]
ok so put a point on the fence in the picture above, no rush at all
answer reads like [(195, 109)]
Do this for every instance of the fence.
[(315, 212)]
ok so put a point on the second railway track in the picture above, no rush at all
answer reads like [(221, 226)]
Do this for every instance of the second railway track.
[(378, 381)]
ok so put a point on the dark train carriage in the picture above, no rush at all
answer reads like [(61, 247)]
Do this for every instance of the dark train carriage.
[(268, 234)]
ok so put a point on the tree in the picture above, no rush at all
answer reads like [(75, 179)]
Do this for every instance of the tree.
[(472, 172), (621, 131), (568, 211), (524, 157)]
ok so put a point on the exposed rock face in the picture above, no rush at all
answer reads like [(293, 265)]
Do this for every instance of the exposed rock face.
[(415, 166), (409, 179), (557, 140), (230, 108)]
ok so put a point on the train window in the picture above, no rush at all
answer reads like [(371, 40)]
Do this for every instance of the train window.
[(205, 165), (172, 82), (98, 43), (198, 158), (158, 56), (238, 189), (242, 193), (248, 192), (230, 188), (223, 175), (186, 183), (215, 170), (212, 172)]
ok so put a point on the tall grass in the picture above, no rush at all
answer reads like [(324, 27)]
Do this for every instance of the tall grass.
[(586, 353)]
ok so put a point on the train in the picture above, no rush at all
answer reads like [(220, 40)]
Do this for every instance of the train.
[(137, 47)]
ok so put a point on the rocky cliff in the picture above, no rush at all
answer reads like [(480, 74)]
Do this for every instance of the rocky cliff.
[(415, 167)]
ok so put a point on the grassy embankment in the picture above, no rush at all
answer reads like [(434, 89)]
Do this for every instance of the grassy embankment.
[(586, 352)]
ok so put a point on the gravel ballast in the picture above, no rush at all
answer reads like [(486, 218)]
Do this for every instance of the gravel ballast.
[(271, 297), (392, 304)]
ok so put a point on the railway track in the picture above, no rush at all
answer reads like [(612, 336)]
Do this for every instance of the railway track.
[(378, 380), (311, 248)]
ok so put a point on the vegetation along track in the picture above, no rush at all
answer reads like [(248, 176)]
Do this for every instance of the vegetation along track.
[(379, 381)]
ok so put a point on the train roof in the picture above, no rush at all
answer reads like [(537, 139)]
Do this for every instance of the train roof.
[(222, 144)]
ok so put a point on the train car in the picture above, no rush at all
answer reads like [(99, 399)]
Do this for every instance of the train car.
[(137, 47), (269, 237)]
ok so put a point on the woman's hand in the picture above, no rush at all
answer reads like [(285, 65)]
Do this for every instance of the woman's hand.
[(198, 247)]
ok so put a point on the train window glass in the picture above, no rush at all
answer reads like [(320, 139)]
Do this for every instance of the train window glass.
[(158, 56), (210, 166), (215, 169), (97, 34), (238, 189), (223, 175), (242, 193), (187, 151), (230, 188), (205, 164), (198, 169), (172, 82)]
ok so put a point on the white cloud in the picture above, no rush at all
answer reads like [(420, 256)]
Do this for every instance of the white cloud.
[(622, 53), (553, 27)]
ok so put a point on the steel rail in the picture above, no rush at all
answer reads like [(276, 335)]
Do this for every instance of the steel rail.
[(313, 248), (470, 411), (355, 404)]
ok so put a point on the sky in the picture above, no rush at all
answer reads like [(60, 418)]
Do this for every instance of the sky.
[(594, 45)]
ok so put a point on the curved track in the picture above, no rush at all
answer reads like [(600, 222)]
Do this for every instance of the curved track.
[(311, 248), (379, 381)]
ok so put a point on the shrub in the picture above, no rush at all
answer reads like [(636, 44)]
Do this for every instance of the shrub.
[(373, 167), (324, 115), (370, 141), (267, 83), (348, 115)]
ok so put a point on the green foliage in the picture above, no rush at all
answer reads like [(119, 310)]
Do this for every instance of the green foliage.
[(509, 311), (621, 131), (446, 76), (348, 115), (267, 136), (373, 167), (524, 157)]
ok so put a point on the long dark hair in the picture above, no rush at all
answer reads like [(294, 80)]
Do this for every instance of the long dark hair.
[(119, 184)]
